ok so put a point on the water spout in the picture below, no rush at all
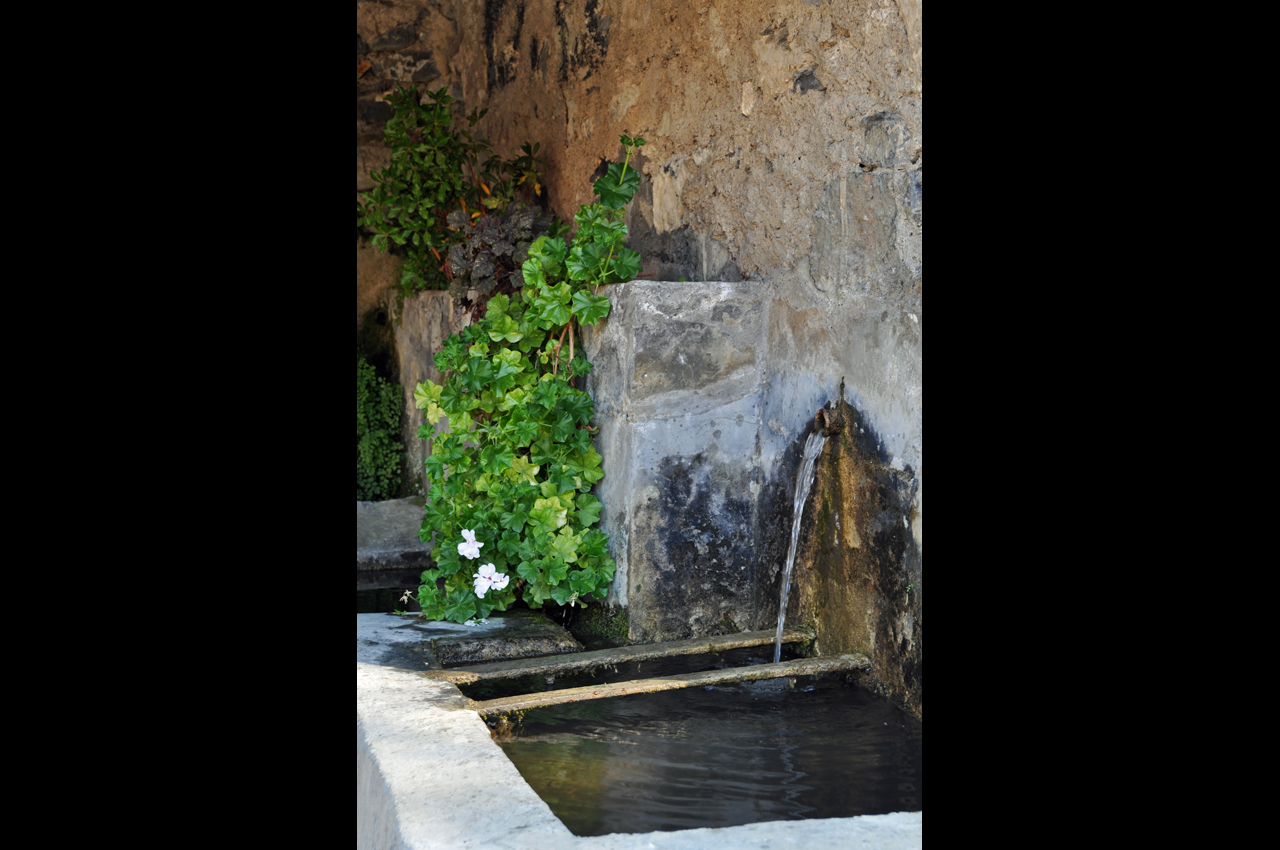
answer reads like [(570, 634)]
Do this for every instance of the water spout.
[(812, 447)]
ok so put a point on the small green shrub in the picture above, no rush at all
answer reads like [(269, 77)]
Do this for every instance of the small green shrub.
[(509, 482), (379, 452), (436, 169)]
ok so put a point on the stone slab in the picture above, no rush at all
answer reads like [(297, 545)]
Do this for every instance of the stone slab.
[(413, 643), (516, 638), (677, 377), (388, 551)]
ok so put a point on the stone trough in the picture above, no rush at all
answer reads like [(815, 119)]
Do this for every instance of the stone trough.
[(429, 775)]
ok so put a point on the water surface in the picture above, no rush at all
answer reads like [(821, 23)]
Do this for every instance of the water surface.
[(721, 756)]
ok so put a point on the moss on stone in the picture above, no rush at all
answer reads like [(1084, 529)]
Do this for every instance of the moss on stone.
[(603, 624), (726, 626)]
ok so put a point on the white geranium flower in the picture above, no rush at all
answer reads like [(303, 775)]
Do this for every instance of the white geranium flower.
[(487, 578), (469, 548)]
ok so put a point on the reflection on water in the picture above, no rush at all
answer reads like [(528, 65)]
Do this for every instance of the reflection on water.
[(721, 756)]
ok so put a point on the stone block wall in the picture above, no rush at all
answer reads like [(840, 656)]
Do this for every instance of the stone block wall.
[(678, 379)]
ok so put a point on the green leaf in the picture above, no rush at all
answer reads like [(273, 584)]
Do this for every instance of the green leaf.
[(565, 546), (515, 519), (497, 307), (549, 249), (505, 327), (460, 606), (615, 188), (626, 266), (594, 543), (577, 404), (563, 478), (522, 433), (426, 393), (479, 372), (435, 467), (547, 515), (534, 276), (537, 593), (557, 570), (588, 509), (589, 463), (582, 582), (529, 571), (562, 426), (552, 307), (452, 397), (494, 459), (521, 469), (587, 261), (509, 544), (589, 308), (547, 391)]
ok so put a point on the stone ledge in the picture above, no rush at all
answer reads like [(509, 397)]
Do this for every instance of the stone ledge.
[(387, 546)]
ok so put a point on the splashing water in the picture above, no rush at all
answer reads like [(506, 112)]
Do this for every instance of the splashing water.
[(812, 447)]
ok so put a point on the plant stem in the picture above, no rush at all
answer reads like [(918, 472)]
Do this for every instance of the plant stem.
[(621, 177)]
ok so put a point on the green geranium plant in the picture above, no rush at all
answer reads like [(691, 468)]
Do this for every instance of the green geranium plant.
[(513, 473)]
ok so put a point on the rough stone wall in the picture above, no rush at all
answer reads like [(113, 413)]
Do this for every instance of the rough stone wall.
[(785, 138)]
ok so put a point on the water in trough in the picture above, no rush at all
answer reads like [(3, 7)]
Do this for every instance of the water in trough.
[(814, 747)]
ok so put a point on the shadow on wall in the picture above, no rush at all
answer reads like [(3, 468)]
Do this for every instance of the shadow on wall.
[(857, 568)]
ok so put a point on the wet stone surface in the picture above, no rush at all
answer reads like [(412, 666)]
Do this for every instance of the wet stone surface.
[(519, 638), (412, 643)]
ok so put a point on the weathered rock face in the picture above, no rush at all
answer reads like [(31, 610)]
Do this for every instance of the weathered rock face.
[(376, 275), (857, 568), (785, 140)]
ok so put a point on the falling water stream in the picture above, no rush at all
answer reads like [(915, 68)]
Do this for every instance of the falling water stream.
[(812, 447)]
